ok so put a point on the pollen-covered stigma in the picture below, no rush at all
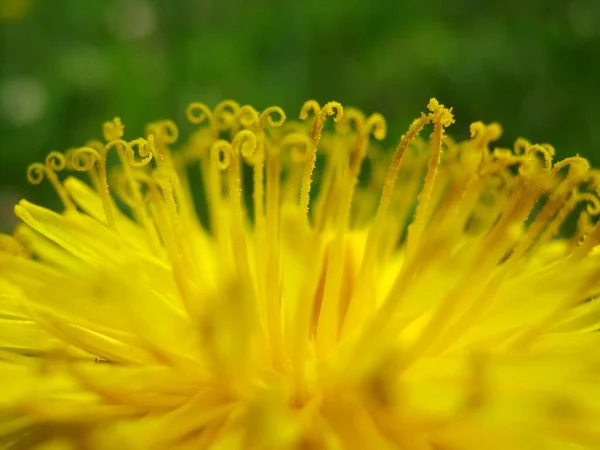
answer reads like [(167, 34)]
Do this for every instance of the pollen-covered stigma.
[(274, 284)]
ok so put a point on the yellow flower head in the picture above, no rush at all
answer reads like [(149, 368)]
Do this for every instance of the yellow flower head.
[(432, 301)]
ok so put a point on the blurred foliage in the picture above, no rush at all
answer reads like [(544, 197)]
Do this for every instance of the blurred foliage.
[(68, 65)]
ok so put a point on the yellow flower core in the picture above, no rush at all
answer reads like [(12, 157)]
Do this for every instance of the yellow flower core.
[(433, 301)]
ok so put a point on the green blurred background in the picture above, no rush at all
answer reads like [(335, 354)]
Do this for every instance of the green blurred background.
[(68, 65)]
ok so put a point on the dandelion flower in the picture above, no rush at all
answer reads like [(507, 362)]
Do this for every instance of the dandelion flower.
[(432, 301)]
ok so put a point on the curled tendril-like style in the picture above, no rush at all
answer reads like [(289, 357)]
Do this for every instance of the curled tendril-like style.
[(320, 114), (220, 154), (576, 174), (578, 166), (225, 114), (593, 178), (521, 146), (268, 114), (310, 105), (477, 129), (486, 133), (117, 143), (56, 161), (549, 148), (36, 173), (377, 126), (482, 135), (245, 143), (69, 158), (329, 109), (83, 159), (536, 149), (144, 148), (171, 132), (165, 131), (527, 167), (300, 144), (351, 116), (374, 124), (494, 131), (113, 130), (197, 113), (248, 117), (593, 206)]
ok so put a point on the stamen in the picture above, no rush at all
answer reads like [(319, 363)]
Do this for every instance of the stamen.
[(84, 159), (225, 116), (544, 152), (265, 271), (267, 116), (55, 162), (249, 118), (441, 118), (244, 142), (336, 168), (222, 119), (125, 152), (482, 135), (113, 132), (320, 115), (197, 113), (165, 132), (258, 160), (375, 125)]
